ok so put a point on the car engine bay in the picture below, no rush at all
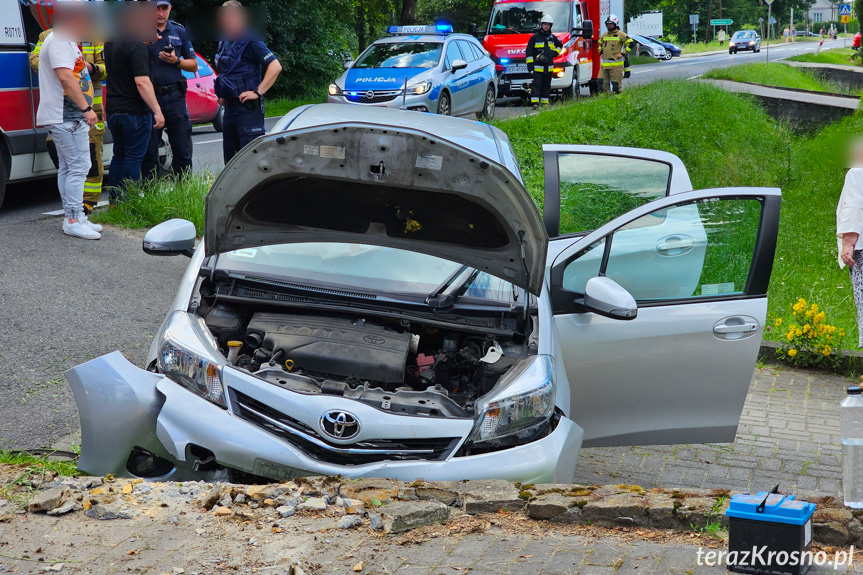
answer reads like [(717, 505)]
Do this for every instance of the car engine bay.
[(405, 368)]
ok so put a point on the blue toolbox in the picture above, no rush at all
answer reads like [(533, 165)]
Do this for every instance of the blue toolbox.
[(769, 533)]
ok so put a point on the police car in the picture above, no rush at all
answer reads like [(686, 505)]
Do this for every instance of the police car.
[(422, 68)]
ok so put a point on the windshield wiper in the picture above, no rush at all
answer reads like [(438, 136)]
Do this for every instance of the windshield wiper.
[(443, 296)]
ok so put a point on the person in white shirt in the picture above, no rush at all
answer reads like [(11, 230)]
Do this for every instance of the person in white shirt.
[(65, 108), (849, 230)]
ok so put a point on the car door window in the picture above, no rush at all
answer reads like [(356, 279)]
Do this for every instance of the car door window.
[(452, 54), (204, 69), (693, 250), (596, 189), (576, 17), (469, 55), (478, 52)]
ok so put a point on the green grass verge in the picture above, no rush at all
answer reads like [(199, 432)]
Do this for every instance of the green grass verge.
[(834, 56), (714, 46), (282, 106), (153, 202), (639, 60), (30, 471), (779, 75)]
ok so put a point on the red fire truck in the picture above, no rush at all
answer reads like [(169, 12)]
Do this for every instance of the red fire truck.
[(576, 24)]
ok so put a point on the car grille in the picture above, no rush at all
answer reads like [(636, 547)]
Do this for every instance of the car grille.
[(377, 96), (310, 441)]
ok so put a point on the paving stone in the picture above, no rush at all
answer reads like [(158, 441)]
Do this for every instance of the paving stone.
[(621, 508), (549, 505), (367, 490), (490, 496), (405, 515)]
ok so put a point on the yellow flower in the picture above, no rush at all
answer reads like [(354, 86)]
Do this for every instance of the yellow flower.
[(807, 327), (841, 333), (798, 333), (792, 352), (778, 321), (827, 350), (814, 308), (790, 335), (829, 338)]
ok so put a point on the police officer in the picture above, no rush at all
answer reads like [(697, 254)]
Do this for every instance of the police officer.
[(239, 86), (614, 46), (94, 58), (170, 55), (542, 48)]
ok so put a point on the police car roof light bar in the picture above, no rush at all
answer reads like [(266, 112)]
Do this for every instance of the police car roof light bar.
[(404, 30)]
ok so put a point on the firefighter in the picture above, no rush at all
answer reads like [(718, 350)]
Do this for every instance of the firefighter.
[(614, 46), (239, 86), (542, 48), (94, 57)]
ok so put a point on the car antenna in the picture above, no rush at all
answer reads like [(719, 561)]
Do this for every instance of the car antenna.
[(405, 95)]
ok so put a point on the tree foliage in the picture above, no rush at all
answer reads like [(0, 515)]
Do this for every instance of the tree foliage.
[(460, 13)]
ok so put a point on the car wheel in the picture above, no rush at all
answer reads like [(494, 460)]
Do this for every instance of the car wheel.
[(667, 56), (573, 90), (220, 116), (2, 181), (166, 155), (444, 104), (489, 104)]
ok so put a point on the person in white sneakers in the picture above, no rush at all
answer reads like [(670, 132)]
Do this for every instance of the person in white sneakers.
[(65, 108)]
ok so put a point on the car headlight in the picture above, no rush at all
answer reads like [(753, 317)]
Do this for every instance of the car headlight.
[(520, 403), (189, 356), (752, 42), (334, 90), (421, 88), (732, 43)]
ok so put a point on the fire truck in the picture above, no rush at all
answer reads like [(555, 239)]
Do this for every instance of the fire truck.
[(577, 23)]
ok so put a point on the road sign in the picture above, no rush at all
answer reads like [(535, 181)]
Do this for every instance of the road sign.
[(761, 20), (693, 19), (772, 20), (722, 22), (845, 9), (845, 19), (769, 2)]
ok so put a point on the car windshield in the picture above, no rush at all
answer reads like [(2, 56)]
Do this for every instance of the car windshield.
[(524, 17), (744, 34), (401, 55), (359, 266)]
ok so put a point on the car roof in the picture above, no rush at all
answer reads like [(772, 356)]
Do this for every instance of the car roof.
[(478, 137), (436, 38)]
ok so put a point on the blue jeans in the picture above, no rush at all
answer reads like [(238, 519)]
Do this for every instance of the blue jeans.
[(179, 128), (131, 135), (73, 153)]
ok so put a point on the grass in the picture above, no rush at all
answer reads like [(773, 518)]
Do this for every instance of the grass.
[(779, 75), (737, 144), (282, 106), (31, 471), (834, 56), (152, 202), (639, 60)]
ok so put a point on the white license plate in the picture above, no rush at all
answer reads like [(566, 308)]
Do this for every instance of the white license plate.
[(517, 69)]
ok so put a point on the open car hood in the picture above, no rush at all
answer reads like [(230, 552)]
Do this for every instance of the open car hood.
[(381, 183)]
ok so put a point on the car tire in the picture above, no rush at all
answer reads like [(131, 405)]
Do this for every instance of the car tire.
[(219, 118), (489, 104), (444, 104), (573, 90), (667, 56), (166, 155), (2, 181)]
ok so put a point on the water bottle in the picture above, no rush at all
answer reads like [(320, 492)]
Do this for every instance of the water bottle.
[(851, 427)]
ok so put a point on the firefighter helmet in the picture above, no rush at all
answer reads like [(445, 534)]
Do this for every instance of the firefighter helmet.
[(547, 19), (43, 12), (612, 19)]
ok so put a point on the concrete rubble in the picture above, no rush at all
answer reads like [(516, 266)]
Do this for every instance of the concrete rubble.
[(396, 507)]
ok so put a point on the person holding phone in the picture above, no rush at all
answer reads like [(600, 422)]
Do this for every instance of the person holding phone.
[(170, 55)]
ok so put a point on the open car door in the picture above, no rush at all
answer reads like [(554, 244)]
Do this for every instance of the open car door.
[(698, 265)]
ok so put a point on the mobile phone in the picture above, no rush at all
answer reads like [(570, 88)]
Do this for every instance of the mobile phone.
[(168, 49)]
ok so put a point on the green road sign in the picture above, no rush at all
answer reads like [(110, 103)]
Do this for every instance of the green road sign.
[(723, 22)]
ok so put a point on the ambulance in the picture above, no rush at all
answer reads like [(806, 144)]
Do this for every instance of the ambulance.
[(577, 23)]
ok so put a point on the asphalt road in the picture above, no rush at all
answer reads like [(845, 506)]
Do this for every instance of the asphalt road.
[(64, 301)]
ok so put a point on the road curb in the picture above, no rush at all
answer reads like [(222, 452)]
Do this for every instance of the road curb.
[(850, 361)]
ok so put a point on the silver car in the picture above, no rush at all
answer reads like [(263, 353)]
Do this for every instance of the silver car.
[(377, 295), (421, 68)]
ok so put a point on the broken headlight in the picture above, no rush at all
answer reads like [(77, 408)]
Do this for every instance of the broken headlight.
[(519, 405), (189, 356)]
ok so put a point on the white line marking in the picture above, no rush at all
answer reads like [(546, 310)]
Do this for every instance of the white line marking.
[(694, 77), (54, 213), (209, 141)]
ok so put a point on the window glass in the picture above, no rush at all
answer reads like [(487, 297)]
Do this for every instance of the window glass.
[(478, 52), (524, 17), (469, 55), (400, 55), (576, 16), (452, 54), (699, 249), (586, 265), (204, 69), (595, 189)]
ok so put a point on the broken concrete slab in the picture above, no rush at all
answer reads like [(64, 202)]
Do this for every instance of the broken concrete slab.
[(312, 504), (406, 515), (48, 499), (490, 496), (549, 505), (371, 491), (620, 508)]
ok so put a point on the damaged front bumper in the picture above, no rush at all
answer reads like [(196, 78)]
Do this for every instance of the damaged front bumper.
[(270, 432)]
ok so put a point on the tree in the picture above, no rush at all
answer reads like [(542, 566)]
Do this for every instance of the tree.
[(460, 13), (409, 12)]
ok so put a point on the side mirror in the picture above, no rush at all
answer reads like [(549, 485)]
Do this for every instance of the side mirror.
[(606, 297), (172, 238), (459, 65), (348, 63), (471, 29), (586, 30)]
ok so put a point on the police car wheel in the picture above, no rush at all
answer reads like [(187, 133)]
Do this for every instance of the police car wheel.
[(2, 181), (489, 103), (217, 121), (444, 104), (166, 156)]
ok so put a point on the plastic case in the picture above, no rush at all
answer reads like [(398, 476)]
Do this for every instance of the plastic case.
[(770, 534)]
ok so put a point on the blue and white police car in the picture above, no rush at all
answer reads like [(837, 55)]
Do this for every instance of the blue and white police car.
[(422, 68)]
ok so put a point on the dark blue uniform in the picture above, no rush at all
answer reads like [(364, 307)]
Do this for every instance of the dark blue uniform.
[(170, 86), (239, 64)]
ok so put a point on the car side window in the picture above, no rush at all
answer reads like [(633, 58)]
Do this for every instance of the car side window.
[(576, 16), (477, 51), (204, 69), (452, 54), (699, 249), (469, 55), (595, 188)]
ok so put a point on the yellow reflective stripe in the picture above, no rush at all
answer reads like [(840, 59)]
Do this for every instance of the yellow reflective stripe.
[(529, 59), (556, 50), (100, 125), (38, 48), (610, 64), (542, 45), (94, 187)]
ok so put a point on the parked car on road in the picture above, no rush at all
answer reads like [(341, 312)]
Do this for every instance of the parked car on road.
[(673, 49), (855, 43), (377, 295), (421, 68), (645, 46), (744, 40)]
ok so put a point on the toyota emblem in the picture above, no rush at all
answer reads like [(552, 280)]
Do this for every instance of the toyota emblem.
[(370, 94), (340, 424)]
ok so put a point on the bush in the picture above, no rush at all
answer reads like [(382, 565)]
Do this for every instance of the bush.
[(806, 338), (460, 13)]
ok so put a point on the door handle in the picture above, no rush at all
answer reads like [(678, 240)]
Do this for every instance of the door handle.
[(746, 327), (198, 85), (679, 244)]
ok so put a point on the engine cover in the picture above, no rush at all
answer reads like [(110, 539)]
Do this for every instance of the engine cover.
[(335, 346)]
